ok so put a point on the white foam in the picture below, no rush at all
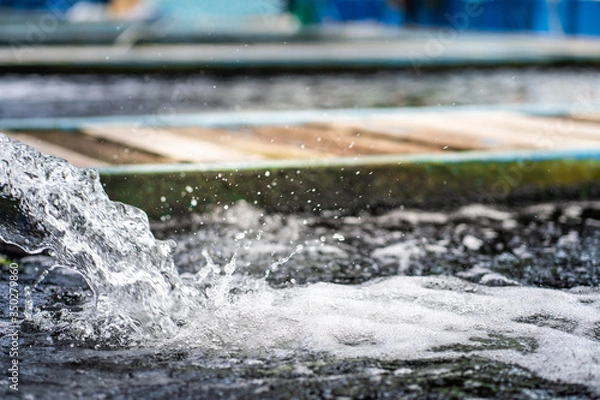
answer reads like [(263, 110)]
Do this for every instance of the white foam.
[(472, 243), (408, 317), (477, 211), (398, 252)]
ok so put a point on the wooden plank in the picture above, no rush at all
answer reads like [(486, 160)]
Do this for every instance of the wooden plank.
[(549, 132), (342, 141), (77, 159), (469, 126), (298, 136), (246, 141), (168, 144), (375, 134), (524, 131), (367, 141), (494, 131), (586, 117), (100, 149), (431, 139)]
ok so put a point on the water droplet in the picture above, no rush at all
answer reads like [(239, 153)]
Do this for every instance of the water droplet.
[(339, 237)]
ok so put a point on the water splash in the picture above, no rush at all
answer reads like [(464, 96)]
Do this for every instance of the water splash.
[(47, 204)]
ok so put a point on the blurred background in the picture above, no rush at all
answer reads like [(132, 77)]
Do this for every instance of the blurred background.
[(573, 17), (131, 57), (123, 82)]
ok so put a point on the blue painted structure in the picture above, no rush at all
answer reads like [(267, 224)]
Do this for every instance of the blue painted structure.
[(575, 17), (43, 5), (191, 9), (327, 11), (580, 17), (505, 15)]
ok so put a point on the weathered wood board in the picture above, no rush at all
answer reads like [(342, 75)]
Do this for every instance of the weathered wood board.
[(418, 133), (425, 157)]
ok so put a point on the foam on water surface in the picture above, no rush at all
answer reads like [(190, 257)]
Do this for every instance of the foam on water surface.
[(553, 333), (227, 308)]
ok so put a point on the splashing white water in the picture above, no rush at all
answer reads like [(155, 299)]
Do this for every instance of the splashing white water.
[(550, 332), (48, 204)]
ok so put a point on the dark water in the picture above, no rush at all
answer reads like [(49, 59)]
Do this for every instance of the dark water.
[(542, 245), (23, 96), (542, 259), (474, 302)]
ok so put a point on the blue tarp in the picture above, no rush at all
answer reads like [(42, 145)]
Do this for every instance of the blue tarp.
[(544, 16)]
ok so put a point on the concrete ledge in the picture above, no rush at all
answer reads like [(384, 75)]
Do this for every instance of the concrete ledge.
[(419, 52), (351, 185)]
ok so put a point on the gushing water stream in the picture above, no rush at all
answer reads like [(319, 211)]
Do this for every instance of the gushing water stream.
[(242, 309), (50, 205)]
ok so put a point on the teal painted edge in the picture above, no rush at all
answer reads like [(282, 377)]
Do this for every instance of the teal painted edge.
[(253, 118)]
